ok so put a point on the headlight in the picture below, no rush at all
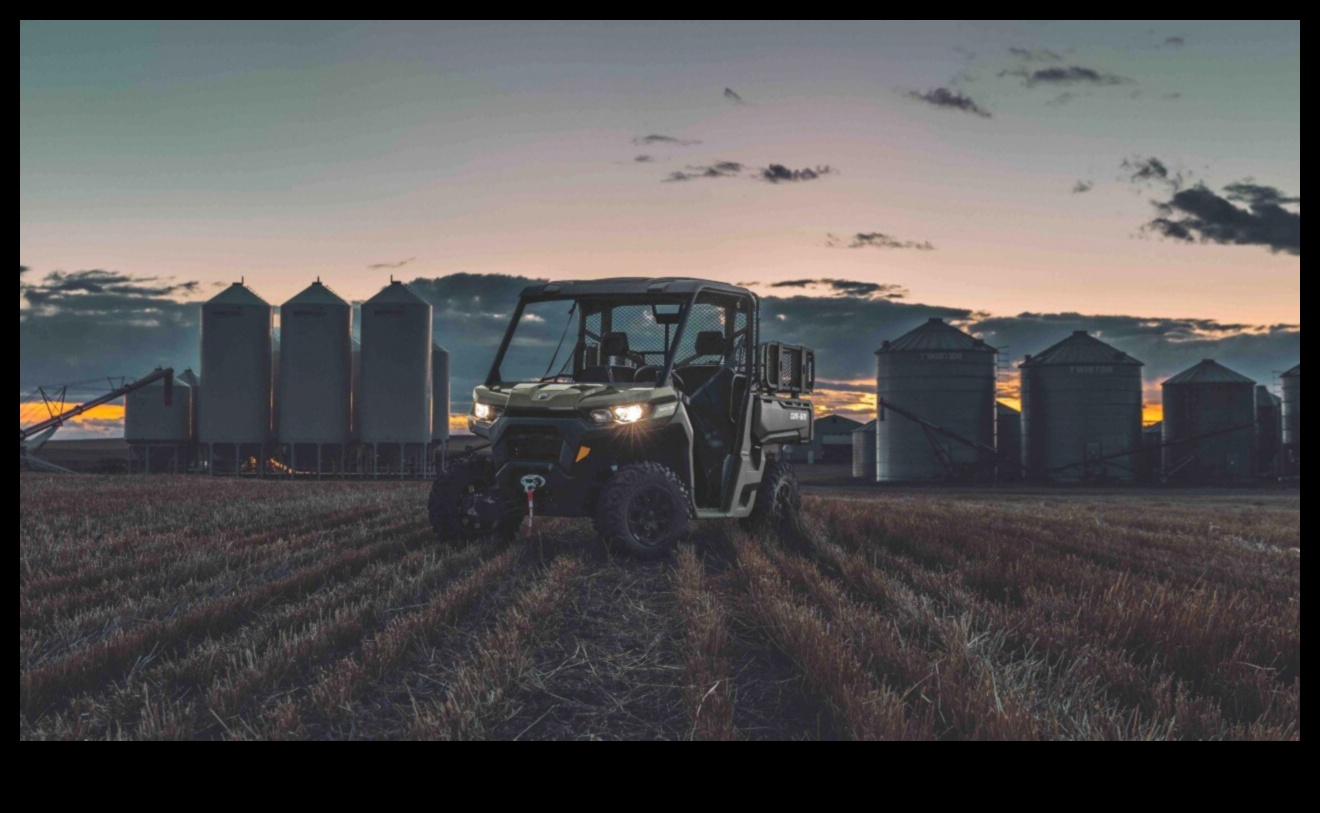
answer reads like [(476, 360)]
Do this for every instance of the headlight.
[(628, 413), (623, 413), (486, 412)]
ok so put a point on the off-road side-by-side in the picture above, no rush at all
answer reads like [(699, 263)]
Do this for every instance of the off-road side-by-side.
[(177, 607), (660, 404)]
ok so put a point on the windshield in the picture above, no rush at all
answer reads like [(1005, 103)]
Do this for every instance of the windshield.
[(625, 341)]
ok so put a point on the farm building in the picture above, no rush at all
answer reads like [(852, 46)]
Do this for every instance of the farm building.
[(1209, 424)]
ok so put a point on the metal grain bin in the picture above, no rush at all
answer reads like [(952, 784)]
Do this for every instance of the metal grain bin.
[(1209, 424), (1081, 411), (1008, 441), (1292, 419), (149, 420), (236, 366), (439, 394), (863, 443), (316, 357), (947, 378), (395, 389), (1269, 432)]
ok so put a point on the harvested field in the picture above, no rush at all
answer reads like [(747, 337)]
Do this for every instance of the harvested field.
[(190, 608)]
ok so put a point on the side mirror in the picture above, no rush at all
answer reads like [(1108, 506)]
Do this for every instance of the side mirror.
[(786, 368)]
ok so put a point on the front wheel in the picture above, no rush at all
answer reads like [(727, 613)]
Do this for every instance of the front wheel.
[(643, 510), (778, 503), (464, 505)]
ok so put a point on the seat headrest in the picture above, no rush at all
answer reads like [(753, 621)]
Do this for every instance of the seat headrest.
[(614, 344), (710, 343)]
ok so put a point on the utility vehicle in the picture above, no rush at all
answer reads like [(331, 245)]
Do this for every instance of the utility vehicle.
[(641, 403)]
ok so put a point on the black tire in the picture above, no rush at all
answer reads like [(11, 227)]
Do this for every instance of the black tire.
[(643, 509), (778, 505), (452, 504)]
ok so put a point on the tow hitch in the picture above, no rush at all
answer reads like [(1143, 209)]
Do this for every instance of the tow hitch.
[(531, 482)]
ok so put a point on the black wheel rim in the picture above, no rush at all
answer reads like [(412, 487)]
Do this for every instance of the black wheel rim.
[(650, 515), (468, 516)]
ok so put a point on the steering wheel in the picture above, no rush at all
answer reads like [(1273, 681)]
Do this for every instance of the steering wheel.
[(655, 370)]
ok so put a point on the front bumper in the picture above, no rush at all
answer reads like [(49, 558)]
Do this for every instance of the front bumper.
[(574, 457)]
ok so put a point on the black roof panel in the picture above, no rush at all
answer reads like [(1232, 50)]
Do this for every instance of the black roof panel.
[(624, 286)]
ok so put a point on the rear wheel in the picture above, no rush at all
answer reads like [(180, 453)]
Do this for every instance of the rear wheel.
[(643, 510), (464, 506), (778, 503)]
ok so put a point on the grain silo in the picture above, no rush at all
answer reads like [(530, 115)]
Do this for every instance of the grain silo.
[(236, 410), (159, 429), (863, 441), (1269, 432), (1292, 420), (395, 386), (315, 393), (1008, 442), (947, 378), (1081, 411), (1209, 424)]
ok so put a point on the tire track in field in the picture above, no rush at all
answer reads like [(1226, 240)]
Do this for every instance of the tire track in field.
[(707, 676), (340, 684), (860, 707), (148, 559), (194, 575), (233, 673), (478, 688), (84, 669)]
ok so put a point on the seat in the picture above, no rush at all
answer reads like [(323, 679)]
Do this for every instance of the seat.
[(695, 376), (709, 388), (618, 367)]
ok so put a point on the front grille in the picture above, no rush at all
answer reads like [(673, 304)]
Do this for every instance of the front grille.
[(533, 442)]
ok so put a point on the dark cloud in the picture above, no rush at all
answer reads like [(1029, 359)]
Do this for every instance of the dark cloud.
[(1254, 194), (1174, 42), (733, 97), (719, 169), (84, 325), (1083, 186), (396, 264), (846, 287), (1171, 97), (1035, 54), (1198, 214), (950, 99), (643, 159), (656, 138), (1152, 170), (1067, 75), (876, 239), (1167, 346), (778, 173), (58, 285)]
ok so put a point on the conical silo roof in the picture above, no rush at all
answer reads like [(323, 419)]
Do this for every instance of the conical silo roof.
[(935, 334), (237, 294), (1208, 372), (1295, 372), (1080, 348), (318, 293), (396, 293)]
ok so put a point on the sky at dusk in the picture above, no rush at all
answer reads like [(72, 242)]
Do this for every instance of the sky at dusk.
[(1024, 179)]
